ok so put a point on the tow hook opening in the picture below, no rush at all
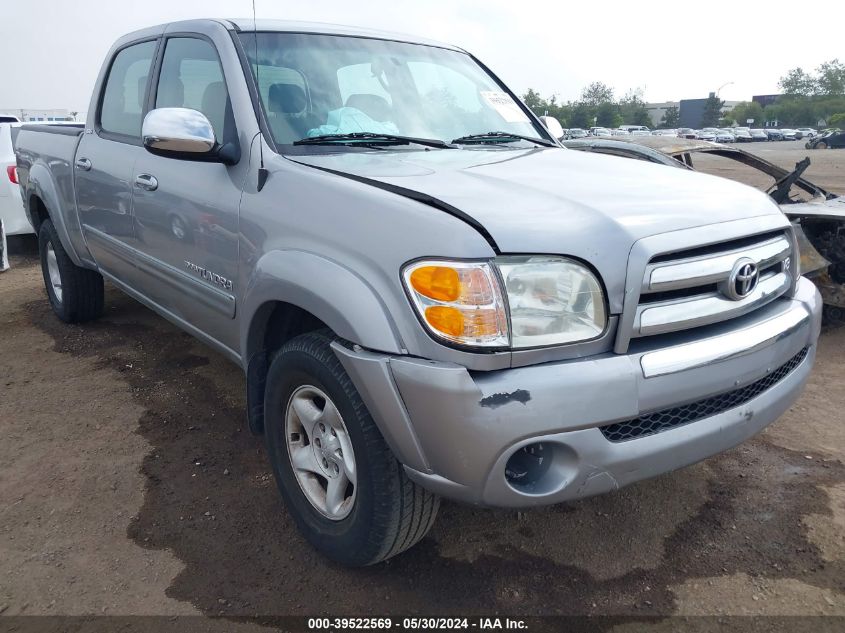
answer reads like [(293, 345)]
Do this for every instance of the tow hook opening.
[(528, 465), (540, 468)]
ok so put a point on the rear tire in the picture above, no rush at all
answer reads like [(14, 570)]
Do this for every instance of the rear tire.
[(380, 512), (75, 293)]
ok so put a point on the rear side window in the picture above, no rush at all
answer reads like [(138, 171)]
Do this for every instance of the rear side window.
[(191, 77), (123, 99)]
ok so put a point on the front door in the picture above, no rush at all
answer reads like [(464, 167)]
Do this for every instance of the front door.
[(105, 160), (186, 212)]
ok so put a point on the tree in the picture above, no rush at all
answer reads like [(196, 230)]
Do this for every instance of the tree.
[(607, 115), (597, 93), (837, 120), (533, 100), (633, 110), (798, 82), (582, 116), (671, 117), (745, 110), (542, 106), (831, 78), (712, 111)]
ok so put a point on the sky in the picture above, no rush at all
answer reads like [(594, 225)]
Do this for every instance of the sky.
[(670, 50)]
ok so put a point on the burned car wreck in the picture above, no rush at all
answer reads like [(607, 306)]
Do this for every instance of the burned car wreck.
[(817, 214)]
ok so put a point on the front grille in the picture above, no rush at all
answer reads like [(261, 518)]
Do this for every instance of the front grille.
[(658, 421), (688, 289)]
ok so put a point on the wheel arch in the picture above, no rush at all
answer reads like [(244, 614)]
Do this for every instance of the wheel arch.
[(294, 292), (42, 201)]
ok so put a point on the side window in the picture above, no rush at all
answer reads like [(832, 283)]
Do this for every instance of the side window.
[(123, 99), (191, 77)]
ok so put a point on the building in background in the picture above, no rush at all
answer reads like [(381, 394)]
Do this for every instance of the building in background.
[(34, 114), (692, 111), (765, 100), (657, 110)]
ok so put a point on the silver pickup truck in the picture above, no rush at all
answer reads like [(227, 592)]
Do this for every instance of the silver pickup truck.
[(428, 295)]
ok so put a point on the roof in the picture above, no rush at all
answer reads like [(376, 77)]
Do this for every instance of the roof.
[(294, 26)]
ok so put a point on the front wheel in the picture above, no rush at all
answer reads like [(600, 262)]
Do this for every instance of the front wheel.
[(821, 145), (348, 494), (75, 293)]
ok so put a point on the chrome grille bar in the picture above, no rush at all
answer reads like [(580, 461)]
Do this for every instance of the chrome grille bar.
[(684, 291), (703, 270)]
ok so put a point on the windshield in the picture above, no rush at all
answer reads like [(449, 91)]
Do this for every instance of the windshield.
[(314, 85)]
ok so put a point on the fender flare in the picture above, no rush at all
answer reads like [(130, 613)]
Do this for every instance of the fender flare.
[(41, 184), (333, 293)]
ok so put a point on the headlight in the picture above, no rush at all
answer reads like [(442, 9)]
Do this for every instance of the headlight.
[(459, 301), (551, 301)]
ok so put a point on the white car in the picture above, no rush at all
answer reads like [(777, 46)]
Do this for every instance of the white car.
[(808, 132), (13, 219)]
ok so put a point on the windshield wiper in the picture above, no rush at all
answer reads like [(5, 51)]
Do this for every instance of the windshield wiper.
[(370, 138), (499, 137)]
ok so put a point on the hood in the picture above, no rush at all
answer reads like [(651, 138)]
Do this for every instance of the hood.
[(558, 201)]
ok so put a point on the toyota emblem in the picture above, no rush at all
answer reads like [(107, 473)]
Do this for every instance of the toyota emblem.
[(743, 279)]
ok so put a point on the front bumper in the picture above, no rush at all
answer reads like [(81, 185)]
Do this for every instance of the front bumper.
[(454, 430)]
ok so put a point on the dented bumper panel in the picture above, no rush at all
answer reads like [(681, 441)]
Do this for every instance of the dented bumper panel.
[(455, 430)]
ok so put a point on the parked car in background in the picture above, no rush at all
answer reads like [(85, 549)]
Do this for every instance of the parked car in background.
[(665, 133), (807, 132), (742, 135), (620, 133), (707, 135), (788, 134), (774, 134), (8, 118), (831, 140), (12, 214), (577, 132), (640, 133), (723, 136), (600, 131), (758, 135), (817, 215), (422, 303), (686, 132)]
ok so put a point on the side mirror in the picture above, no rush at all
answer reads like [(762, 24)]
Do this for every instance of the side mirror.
[(552, 125), (186, 134)]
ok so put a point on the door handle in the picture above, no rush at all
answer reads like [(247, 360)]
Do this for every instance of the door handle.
[(83, 163), (145, 181)]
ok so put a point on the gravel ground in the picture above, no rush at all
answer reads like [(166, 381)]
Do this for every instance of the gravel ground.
[(129, 484)]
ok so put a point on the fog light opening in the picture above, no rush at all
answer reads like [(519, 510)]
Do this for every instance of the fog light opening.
[(528, 465)]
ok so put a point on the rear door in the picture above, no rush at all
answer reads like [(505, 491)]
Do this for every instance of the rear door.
[(186, 212), (105, 158)]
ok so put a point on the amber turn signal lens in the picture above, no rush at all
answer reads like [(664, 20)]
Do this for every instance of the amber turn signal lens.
[(445, 319), (437, 282)]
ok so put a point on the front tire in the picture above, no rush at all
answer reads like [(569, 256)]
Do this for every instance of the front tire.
[(348, 494), (75, 293), (821, 145)]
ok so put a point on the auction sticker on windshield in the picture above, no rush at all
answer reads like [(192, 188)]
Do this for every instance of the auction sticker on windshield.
[(504, 104)]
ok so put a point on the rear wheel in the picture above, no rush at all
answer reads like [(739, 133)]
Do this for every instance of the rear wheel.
[(75, 293), (348, 494)]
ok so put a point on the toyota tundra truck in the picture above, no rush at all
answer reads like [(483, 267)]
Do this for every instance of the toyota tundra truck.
[(429, 296)]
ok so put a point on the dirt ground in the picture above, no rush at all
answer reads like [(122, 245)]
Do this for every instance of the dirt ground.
[(129, 484)]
